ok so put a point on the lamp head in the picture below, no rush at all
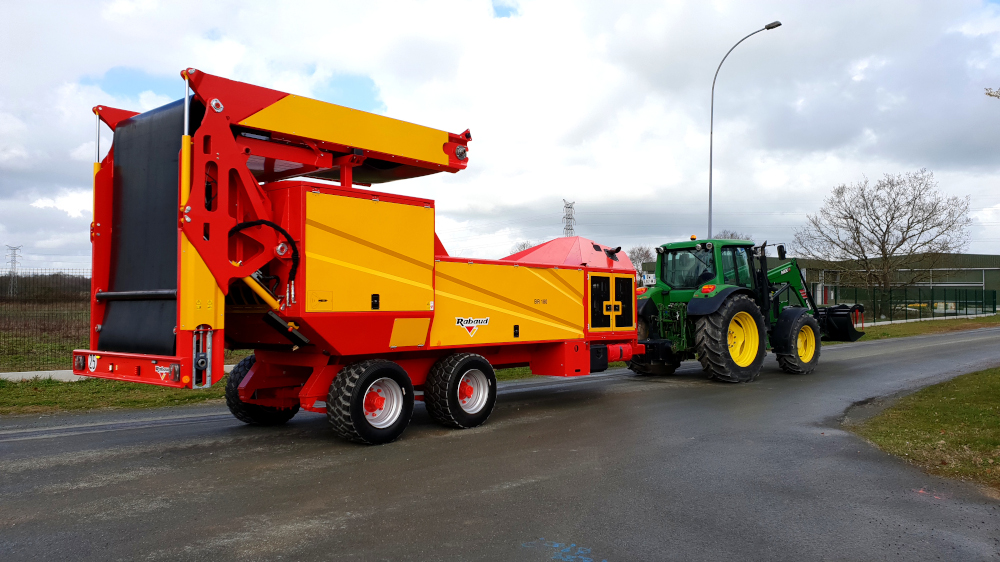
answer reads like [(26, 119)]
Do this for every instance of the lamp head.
[(772, 25)]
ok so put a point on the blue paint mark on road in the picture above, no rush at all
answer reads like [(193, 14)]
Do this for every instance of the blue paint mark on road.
[(563, 551)]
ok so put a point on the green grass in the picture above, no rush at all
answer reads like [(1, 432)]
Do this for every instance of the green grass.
[(46, 395), (949, 429), (902, 330)]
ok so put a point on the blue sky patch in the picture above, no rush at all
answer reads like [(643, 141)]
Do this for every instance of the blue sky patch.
[(503, 9), (351, 90), (125, 82)]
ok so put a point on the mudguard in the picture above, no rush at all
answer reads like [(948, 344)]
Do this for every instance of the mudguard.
[(645, 308), (781, 336), (701, 307)]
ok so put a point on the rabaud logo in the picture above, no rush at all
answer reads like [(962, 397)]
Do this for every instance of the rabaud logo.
[(472, 325)]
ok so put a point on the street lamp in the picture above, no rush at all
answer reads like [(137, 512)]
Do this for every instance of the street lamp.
[(711, 127)]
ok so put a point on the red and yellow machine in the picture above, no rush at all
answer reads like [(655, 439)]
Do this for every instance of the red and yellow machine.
[(202, 241)]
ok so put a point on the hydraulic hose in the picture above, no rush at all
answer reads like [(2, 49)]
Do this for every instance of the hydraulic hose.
[(288, 238)]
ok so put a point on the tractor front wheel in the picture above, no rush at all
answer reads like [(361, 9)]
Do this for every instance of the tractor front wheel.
[(370, 402), (805, 344), (461, 390), (254, 414), (730, 341)]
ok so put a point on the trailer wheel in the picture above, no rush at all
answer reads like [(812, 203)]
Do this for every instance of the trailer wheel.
[(730, 341), (370, 402), (461, 391), (254, 414), (805, 347)]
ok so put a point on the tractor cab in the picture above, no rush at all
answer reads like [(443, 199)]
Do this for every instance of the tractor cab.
[(700, 269)]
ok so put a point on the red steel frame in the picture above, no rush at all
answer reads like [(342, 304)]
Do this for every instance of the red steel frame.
[(283, 378)]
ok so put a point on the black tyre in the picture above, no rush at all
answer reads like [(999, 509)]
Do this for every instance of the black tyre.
[(640, 366), (370, 402), (805, 345), (461, 391), (252, 413), (730, 341)]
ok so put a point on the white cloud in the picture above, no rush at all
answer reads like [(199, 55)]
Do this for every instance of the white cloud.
[(73, 203)]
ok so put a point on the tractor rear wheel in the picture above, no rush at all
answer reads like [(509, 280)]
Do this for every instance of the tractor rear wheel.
[(649, 368), (254, 414), (370, 402), (461, 390), (805, 344), (730, 341)]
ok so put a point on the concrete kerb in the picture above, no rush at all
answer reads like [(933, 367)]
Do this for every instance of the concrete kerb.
[(63, 375)]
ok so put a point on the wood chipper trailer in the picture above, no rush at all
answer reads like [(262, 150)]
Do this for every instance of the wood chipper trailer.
[(204, 241)]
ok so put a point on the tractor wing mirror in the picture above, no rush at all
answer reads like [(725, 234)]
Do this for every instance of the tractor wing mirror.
[(781, 252)]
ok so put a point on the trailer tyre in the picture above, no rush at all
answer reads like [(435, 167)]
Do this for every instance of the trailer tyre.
[(370, 402), (731, 341), (253, 414), (461, 391), (805, 342)]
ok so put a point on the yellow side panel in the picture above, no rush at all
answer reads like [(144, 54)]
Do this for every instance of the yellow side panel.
[(200, 299), (409, 331), (358, 247), (481, 303), (319, 120)]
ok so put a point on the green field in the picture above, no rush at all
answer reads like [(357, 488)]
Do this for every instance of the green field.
[(42, 336), (949, 429)]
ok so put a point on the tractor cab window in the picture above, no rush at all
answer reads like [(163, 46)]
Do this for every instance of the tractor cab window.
[(736, 267), (688, 269)]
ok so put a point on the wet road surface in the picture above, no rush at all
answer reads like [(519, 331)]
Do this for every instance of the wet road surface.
[(605, 467)]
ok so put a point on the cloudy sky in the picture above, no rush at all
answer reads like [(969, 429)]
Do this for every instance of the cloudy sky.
[(602, 103)]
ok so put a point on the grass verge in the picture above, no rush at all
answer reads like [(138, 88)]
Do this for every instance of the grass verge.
[(904, 329), (949, 429), (37, 396)]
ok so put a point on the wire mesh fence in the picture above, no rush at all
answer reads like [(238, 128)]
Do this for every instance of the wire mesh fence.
[(917, 303), (44, 316)]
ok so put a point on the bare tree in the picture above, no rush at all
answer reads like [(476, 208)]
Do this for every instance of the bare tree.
[(521, 246), (726, 234), (885, 235), (640, 255), (993, 93)]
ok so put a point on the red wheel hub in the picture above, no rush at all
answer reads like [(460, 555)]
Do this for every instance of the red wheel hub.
[(374, 402), (465, 391)]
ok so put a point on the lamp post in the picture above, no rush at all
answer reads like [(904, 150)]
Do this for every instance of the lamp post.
[(711, 127)]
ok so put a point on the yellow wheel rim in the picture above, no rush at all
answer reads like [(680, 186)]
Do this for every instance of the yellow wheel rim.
[(807, 343), (744, 339)]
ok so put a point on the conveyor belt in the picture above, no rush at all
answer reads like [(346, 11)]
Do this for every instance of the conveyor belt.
[(144, 230)]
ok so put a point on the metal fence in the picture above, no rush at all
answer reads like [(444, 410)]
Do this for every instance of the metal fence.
[(44, 316), (917, 303)]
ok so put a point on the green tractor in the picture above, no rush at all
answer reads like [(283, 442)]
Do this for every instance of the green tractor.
[(716, 301)]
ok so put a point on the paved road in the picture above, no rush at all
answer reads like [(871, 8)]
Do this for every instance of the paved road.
[(608, 467)]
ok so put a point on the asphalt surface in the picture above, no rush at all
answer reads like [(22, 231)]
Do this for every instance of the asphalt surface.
[(605, 467)]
